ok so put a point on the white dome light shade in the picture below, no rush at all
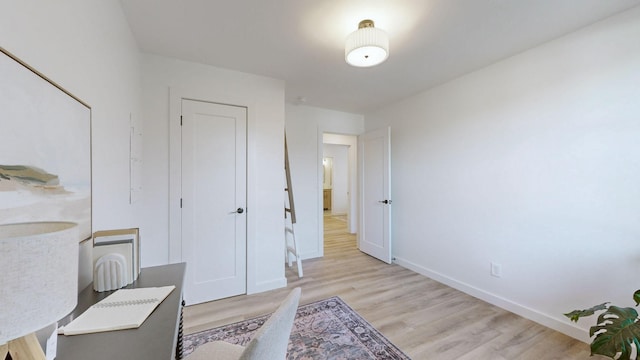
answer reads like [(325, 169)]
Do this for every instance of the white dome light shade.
[(366, 46)]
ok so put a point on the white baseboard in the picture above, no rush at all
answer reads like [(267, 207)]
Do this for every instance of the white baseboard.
[(544, 319)]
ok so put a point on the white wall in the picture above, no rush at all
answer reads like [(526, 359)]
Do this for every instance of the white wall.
[(86, 47), (163, 80), (305, 126), (532, 163)]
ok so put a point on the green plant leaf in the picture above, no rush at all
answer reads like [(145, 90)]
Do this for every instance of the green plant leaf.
[(575, 315), (636, 297), (616, 330)]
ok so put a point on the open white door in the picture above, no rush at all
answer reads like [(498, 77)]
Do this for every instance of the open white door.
[(375, 194)]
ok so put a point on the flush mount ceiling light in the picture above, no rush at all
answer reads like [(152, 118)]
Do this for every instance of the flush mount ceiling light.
[(366, 46)]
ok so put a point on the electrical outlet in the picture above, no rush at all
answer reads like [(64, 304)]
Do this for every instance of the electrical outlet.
[(496, 270)]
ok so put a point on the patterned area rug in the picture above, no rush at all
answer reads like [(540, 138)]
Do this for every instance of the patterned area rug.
[(326, 329)]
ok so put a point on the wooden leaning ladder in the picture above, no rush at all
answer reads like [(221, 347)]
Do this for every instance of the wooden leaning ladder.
[(290, 248)]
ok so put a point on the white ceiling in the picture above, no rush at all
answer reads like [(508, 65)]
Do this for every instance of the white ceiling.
[(302, 41)]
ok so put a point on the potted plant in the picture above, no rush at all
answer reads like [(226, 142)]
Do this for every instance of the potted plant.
[(617, 331)]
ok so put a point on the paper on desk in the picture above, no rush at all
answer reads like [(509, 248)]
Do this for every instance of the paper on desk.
[(124, 309)]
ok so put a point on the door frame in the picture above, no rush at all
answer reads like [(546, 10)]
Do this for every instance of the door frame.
[(352, 175), (354, 209)]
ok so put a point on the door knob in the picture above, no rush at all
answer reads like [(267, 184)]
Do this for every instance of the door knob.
[(240, 210), (385, 201)]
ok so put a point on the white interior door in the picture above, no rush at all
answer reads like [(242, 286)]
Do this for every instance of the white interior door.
[(375, 194), (213, 200)]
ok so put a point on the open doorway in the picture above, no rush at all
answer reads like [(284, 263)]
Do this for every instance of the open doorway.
[(339, 170)]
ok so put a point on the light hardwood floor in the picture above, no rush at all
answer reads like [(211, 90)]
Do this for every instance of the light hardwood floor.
[(424, 318)]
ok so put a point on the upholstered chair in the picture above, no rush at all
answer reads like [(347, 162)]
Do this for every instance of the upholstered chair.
[(269, 342)]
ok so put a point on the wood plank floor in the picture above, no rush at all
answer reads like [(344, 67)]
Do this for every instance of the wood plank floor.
[(424, 318)]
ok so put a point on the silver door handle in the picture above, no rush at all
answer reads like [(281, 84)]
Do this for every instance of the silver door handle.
[(384, 201), (238, 211)]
